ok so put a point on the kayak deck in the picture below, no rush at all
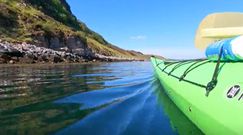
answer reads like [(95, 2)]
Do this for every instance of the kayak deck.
[(185, 83)]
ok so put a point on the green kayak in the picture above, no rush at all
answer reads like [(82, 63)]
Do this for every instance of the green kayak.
[(210, 98)]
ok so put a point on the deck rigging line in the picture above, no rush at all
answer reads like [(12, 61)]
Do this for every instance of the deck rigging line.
[(179, 78), (190, 68), (209, 87), (212, 84)]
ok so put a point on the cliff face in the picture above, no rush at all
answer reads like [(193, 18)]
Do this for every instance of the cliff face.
[(51, 24)]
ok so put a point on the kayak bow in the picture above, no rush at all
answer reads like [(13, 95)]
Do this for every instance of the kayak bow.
[(185, 82)]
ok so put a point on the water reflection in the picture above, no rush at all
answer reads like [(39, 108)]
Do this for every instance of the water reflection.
[(179, 122), (130, 110), (106, 98), (27, 85)]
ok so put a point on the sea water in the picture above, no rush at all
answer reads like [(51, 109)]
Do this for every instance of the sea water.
[(123, 98)]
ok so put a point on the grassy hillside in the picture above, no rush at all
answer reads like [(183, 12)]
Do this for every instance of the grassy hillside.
[(28, 20)]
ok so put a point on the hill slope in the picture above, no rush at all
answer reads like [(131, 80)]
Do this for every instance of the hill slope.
[(51, 24)]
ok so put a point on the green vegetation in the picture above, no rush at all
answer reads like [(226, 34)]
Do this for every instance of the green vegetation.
[(27, 20), (57, 9), (50, 17), (103, 49)]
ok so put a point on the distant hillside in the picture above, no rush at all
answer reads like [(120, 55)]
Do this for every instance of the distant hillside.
[(51, 24)]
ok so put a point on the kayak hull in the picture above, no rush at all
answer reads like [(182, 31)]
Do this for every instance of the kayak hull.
[(213, 114)]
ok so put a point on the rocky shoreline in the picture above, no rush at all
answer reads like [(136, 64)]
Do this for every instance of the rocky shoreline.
[(24, 53)]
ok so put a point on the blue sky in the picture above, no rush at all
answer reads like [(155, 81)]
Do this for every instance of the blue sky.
[(164, 27)]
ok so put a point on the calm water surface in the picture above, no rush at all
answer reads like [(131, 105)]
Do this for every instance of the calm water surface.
[(91, 99)]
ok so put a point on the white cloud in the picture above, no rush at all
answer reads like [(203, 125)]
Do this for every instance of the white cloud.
[(138, 37)]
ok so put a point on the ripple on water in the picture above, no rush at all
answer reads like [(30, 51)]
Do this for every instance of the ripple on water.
[(106, 98)]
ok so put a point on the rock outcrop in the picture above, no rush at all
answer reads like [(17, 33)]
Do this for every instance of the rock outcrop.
[(27, 53), (72, 44)]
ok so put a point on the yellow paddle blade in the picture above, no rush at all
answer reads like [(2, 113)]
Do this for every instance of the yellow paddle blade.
[(218, 26)]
